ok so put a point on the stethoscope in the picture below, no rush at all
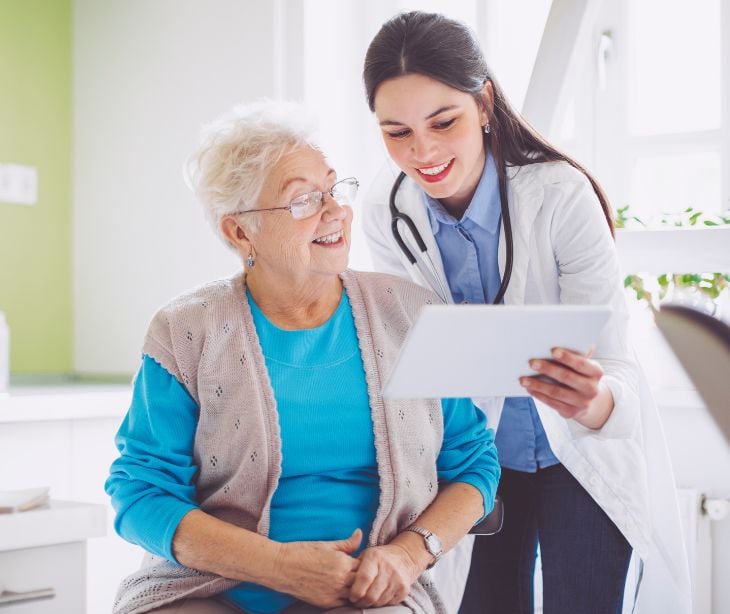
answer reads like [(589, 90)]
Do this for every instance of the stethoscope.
[(431, 272)]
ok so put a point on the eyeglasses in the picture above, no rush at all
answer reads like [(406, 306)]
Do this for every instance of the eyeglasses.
[(309, 204)]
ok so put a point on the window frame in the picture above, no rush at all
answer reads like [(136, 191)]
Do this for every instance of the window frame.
[(615, 149)]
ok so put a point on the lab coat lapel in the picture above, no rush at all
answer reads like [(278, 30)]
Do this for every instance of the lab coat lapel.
[(525, 197)]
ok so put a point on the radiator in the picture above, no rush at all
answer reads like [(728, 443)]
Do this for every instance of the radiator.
[(698, 541), (697, 532)]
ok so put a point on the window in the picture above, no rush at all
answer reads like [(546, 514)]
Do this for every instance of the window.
[(652, 118)]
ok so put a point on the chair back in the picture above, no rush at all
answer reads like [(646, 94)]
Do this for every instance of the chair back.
[(493, 522)]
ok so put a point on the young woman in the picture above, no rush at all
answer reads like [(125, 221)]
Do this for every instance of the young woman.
[(504, 217)]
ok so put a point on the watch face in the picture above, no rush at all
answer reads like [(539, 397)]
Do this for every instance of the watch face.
[(434, 545)]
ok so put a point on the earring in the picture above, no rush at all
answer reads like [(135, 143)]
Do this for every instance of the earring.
[(250, 261), (487, 128)]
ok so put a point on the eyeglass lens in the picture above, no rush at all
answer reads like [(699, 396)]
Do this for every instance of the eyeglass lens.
[(343, 192)]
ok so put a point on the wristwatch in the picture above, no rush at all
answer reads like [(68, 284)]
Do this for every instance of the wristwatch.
[(431, 541)]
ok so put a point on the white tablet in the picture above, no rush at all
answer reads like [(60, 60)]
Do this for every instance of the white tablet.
[(482, 350)]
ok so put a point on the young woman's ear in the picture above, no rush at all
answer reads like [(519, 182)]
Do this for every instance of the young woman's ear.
[(487, 107)]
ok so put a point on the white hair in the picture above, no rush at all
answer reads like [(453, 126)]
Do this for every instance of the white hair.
[(237, 153)]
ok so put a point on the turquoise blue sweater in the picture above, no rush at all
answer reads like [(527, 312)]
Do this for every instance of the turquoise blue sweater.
[(329, 480)]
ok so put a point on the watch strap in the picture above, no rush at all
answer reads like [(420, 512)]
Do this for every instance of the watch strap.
[(425, 533)]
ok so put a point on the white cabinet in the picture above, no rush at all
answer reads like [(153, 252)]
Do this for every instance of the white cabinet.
[(43, 557), (61, 568), (63, 437)]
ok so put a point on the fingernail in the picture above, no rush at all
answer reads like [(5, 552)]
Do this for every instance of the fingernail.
[(525, 381), (535, 364), (558, 353)]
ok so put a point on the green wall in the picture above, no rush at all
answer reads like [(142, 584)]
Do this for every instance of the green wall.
[(35, 130)]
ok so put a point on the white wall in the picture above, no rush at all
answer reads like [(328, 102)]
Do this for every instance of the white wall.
[(147, 75)]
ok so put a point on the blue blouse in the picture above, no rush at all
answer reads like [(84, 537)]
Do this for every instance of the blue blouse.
[(328, 450), (469, 249)]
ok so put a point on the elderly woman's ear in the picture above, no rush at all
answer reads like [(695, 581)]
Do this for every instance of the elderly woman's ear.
[(236, 235)]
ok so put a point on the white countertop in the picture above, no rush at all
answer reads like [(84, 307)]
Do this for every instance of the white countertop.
[(64, 401)]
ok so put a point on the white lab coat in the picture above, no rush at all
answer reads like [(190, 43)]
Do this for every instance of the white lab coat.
[(564, 253)]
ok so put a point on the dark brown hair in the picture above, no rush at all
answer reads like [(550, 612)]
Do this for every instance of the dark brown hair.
[(447, 51)]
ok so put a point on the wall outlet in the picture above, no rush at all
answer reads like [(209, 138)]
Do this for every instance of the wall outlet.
[(18, 184)]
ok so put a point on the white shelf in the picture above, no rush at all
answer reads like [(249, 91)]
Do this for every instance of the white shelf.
[(59, 523), (674, 250)]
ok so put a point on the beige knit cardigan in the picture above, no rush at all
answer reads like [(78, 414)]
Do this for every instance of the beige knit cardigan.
[(207, 340)]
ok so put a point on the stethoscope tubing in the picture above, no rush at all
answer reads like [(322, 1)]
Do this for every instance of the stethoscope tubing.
[(398, 216)]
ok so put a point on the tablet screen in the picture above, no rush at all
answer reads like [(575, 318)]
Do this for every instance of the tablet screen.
[(483, 350)]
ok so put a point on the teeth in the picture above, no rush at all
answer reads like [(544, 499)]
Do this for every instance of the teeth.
[(332, 238), (434, 170)]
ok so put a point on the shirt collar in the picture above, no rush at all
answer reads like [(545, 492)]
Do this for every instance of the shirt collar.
[(484, 209)]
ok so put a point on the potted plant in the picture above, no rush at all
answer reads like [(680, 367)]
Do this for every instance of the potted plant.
[(700, 290), (705, 291)]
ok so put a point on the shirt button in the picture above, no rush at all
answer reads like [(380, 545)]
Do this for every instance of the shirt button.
[(593, 480)]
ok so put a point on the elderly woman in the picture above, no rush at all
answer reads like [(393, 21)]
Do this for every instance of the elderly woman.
[(258, 458)]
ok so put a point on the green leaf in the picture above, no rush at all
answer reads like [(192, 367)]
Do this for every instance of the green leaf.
[(709, 284)]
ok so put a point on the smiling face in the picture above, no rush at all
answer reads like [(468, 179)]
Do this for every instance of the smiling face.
[(434, 134), (292, 251)]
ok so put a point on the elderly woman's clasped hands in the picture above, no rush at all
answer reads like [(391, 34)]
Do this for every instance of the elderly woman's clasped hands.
[(385, 575), (324, 573)]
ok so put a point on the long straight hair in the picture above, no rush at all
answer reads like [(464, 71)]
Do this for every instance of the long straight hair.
[(446, 50)]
